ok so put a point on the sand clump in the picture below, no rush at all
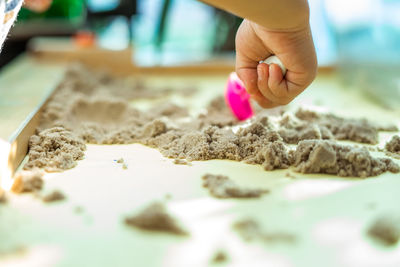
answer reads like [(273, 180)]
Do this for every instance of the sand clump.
[(182, 162), (54, 149), (254, 144), (219, 257), (393, 145), (293, 130), (94, 108), (124, 165), (217, 114), (314, 156), (54, 196), (27, 181), (250, 230), (386, 230), (221, 186), (155, 217)]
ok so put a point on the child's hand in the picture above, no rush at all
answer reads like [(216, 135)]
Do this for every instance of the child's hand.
[(266, 84)]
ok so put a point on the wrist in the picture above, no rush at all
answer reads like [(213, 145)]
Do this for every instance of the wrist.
[(299, 29), (286, 18)]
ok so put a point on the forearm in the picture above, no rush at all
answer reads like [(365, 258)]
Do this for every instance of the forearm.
[(272, 14)]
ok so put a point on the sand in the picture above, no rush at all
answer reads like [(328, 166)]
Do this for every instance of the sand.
[(155, 217), (289, 175), (219, 257), (250, 230), (53, 196), (54, 149), (293, 130), (386, 230), (221, 186), (357, 130), (123, 163), (3, 198), (27, 181), (94, 108), (393, 145), (182, 162), (314, 156)]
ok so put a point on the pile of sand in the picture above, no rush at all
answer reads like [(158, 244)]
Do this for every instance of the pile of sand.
[(312, 156), (155, 217), (393, 145), (94, 108)]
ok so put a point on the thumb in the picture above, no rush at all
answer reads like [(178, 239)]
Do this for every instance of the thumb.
[(247, 72)]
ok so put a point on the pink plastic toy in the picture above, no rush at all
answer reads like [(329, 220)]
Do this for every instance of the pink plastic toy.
[(236, 96)]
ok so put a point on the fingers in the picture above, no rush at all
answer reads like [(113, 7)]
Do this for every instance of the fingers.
[(272, 85), (277, 83), (246, 69), (249, 79), (262, 81), (266, 83)]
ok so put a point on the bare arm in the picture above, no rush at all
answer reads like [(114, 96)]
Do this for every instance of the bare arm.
[(272, 14)]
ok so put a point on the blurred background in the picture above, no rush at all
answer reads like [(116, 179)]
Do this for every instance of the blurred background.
[(359, 38)]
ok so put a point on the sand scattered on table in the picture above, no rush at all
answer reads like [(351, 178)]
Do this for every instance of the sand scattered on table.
[(155, 217), (221, 186), (27, 181), (123, 163), (289, 175), (250, 230), (78, 209), (92, 107), (386, 230), (387, 128), (182, 162), (220, 256), (54, 196), (3, 198)]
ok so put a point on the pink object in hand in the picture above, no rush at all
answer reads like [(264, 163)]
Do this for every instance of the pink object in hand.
[(237, 98)]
